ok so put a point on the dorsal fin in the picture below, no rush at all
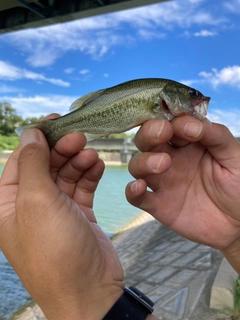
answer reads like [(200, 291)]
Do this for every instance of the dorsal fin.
[(77, 104)]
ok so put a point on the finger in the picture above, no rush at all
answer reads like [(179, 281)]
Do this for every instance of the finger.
[(88, 183), (10, 172), (138, 196), (65, 148), (187, 129), (74, 169), (152, 134), (33, 162), (52, 116), (149, 163)]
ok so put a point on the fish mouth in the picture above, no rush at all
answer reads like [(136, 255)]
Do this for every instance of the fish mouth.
[(201, 108)]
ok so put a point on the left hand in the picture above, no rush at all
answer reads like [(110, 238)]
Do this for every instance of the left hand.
[(48, 230)]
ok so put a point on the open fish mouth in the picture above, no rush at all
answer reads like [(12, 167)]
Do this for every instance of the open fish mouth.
[(201, 108)]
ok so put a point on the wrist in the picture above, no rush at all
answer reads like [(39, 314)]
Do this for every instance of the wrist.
[(83, 307), (133, 304)]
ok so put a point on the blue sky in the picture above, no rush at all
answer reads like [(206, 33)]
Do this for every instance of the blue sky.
[(196, 42)]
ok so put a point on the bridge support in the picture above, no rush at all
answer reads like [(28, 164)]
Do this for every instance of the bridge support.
[(125, 156), (125, 153)]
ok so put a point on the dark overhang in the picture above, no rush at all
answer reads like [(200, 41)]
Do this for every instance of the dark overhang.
[(22, 14)]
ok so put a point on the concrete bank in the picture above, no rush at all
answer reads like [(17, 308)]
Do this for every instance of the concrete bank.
[(177, 274)]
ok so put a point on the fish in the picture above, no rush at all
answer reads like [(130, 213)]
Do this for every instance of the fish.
[(122, 107)]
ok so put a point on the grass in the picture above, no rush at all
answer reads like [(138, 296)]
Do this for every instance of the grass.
[(236, 298)]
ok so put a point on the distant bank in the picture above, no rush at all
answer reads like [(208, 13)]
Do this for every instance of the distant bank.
[(110, 158)]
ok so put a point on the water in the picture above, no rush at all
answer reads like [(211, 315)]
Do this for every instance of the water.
[(112, 211)]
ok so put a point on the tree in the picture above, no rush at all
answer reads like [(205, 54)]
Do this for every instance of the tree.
[(31, 120), (9, 120)]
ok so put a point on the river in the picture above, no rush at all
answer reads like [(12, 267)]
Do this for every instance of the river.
[(112, 211)]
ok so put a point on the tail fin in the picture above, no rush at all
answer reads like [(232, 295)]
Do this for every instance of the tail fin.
[(38, 125)]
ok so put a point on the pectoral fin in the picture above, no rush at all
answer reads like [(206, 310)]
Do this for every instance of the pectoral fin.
[(91, 136)]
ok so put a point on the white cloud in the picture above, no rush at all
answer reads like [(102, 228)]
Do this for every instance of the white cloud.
[(96, 36), (69, 70), (84, 71), (151, 34), (205, 33), (232, 6), (36, 106), (228, 75), (191, 82), (11, 73), (106, 75), (230, 118), (7, 89)]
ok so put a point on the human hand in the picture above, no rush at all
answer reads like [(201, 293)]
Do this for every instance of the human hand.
[(48, 230), (195, 182)]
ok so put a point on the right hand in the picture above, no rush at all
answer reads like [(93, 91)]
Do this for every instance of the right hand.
[(195, 181)]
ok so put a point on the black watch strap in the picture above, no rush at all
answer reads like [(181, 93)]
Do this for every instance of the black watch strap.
[(132, 305)]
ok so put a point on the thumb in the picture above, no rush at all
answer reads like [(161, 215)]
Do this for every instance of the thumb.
[(33, 163)]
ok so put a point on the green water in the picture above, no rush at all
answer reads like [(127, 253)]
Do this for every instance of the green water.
[(1, 168)]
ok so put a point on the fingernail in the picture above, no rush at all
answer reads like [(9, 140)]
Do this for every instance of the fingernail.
[(29, 136), (155, 129), (134, 187), (192, 129), (154, 162)]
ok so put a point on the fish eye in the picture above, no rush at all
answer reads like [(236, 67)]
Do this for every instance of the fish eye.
[(193, 93)]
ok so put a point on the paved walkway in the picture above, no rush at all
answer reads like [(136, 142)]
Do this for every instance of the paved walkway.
[(175, 273)]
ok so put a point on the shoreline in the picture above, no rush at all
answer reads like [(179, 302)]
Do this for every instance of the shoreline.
[(107, 163), (109, 158)]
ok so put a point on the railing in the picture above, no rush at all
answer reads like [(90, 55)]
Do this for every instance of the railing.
[(126, 147), (112, 144)]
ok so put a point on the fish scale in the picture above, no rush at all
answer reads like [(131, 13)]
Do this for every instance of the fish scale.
[(125, 106)]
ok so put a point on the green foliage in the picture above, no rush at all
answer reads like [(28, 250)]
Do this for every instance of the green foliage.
[(9, 120), (8, 143), (31, 120), (121, 135), (236, 295)]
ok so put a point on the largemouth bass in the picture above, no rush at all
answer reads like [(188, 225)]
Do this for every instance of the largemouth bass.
[(123, 107)]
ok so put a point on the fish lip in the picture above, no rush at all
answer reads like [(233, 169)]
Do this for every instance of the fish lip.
[(201, 108), (204, 99)]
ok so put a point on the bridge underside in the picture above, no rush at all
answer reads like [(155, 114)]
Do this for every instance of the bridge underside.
[(22, 14)]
